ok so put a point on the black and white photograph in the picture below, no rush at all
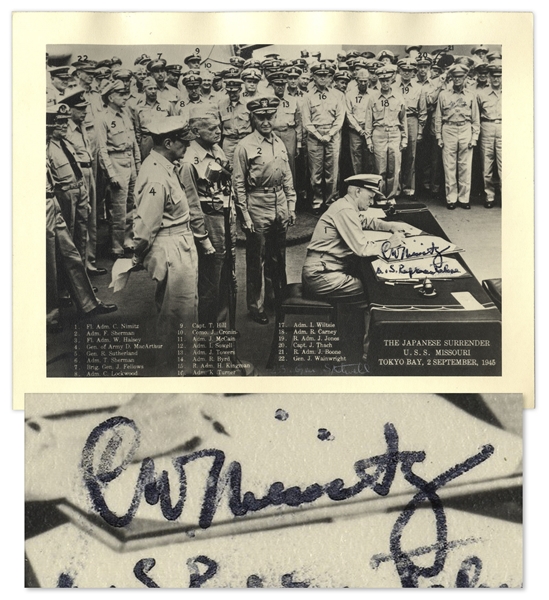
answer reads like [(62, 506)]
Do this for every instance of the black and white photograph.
[(273, 491), (268, 209)]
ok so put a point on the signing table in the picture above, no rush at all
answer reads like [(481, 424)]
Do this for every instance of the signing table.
[(454, 331)]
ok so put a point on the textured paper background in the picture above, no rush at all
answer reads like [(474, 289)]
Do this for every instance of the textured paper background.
[(32, 31)]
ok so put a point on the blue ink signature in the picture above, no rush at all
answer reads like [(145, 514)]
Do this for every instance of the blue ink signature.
[(412, 271), (403, 253), (99, 471)]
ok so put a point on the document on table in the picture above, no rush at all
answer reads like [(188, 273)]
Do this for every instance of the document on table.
[(438, 267)]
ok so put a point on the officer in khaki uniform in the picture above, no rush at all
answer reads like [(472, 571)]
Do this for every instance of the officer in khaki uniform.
[(68, 182), (426, 144), (206, 91), (287, 123), (416, 118), (323, 110), (489, 102), (65, 268), (358, 104), (207, 186), (234, 115), (338, 239), (77, 135), (157, 69), (59, 80), (341, 81), (457, 129), (251, 77), (164, 243), (120, 158), (265, 198), (292, 88), (387, 130), (147, 109)]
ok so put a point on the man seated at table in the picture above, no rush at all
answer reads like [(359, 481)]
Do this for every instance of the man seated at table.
[(338, 238)]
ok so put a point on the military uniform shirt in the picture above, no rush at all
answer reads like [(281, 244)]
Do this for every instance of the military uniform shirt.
[(357, 107), (454, 107), (323, 108), (59, 163), (95, 108), (249, 96), (489, 103), (79, 140), (235, 120), (297, 93), (339, 234), (416, 104), (193, 167), (115, 133), (288, 114), (146, 113), (160, 199), (387, 110), (53, 95), (169, 94), (260, 163)]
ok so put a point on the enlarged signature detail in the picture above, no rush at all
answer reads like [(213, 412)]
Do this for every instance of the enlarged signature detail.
[(376, 473)]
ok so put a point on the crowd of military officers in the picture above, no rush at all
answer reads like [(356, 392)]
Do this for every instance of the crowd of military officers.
[(157, 150)]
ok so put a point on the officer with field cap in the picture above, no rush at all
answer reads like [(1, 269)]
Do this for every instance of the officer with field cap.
[(457, 128), (341, 81), (173, 74), (386, 57), (192, 83), (427, 144), (481, 51), (387, 130), (206, 185), (164, 242), (120, 159), (193, 61), (65, 269), (292, 88), (265, 199)]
